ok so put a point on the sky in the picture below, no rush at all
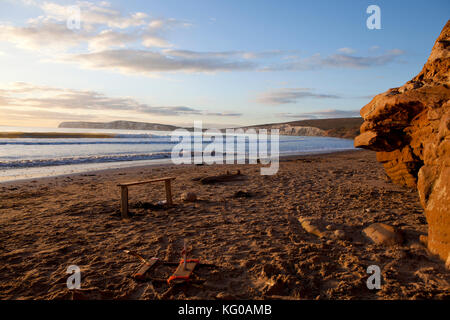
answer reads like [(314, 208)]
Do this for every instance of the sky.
[(227, 63)]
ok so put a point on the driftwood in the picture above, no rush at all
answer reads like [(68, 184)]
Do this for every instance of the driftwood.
[(222, 178)]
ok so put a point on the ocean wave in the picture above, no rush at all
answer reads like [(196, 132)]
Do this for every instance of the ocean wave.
[(139, 136), (81, 160), (82, 142)]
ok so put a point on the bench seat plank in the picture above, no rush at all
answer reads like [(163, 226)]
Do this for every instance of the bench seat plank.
[(124, 193), (144, 182)]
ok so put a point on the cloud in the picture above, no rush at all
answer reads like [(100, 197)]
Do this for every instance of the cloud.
[(92, 14), (340, 60), (45, 35), (21, 114), (223, 114), (337, 61), (146, 62), (24, 95), (321, 114), (49, 36), (101, 28), (188, 54), (152, 41), (346, 50), (291, 95), (168, 23), (134, 43), (108, 39), (246, 55)]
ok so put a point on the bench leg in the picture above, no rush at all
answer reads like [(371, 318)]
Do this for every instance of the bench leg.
[(168, 192), (124, 201)]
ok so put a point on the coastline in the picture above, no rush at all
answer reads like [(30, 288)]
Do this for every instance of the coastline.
[(258, 247), (54, 135), (99, 167)]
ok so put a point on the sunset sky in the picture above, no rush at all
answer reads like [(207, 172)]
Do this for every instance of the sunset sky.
[(223, 62)]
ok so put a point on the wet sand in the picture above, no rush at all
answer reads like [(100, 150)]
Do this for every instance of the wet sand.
[(253, 238)]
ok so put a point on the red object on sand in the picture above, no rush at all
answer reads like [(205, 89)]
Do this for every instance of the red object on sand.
[(183, 272)]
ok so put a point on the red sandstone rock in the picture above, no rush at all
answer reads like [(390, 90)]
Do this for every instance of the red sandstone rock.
[(409, 127)]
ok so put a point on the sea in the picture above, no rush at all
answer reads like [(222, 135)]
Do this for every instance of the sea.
[(30, 158)]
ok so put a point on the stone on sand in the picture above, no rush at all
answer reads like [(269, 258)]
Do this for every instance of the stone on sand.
[(339, 234), (383, 234), (224, 296), (189, 197)]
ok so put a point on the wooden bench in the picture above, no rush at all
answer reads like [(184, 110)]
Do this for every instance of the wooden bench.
[(124, 192)]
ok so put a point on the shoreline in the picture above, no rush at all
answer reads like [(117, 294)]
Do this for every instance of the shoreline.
[(248, 229), (145, 163), (55, 135)]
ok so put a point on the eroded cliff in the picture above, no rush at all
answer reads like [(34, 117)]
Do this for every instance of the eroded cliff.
[(409, 127)]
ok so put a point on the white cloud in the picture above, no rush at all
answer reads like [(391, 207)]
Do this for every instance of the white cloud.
[(101, 28), (291, 95), (147, 62), (92, 14), (168, 23), (22, 95), (316, 61), (346, 50), (321, 114), (109, 39), (157, 24), (152, 41), (134, 43), (339, 60), (46, 35)]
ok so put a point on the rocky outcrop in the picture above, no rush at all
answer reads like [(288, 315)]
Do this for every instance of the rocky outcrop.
[(409, 127)]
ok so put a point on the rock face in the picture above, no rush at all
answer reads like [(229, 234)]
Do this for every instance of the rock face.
[(409, 127)]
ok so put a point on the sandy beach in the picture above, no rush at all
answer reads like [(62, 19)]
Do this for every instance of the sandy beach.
[(253, 238)]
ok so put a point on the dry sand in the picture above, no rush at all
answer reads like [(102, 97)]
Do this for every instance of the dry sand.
[(259, 248)]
